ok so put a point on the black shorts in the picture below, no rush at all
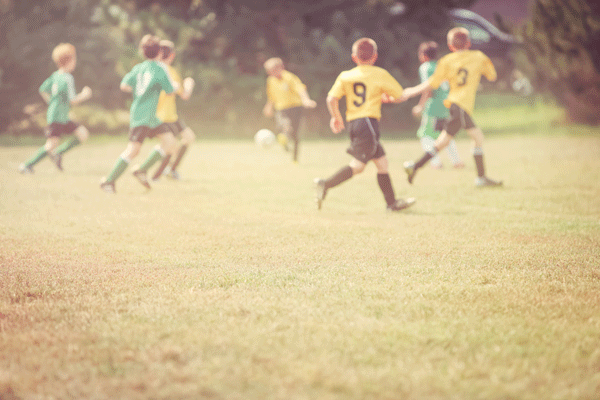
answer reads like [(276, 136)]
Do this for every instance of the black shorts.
[(459, 118), (364, 140), (288, 121), (139, 133), (56, 129), (176, 127)]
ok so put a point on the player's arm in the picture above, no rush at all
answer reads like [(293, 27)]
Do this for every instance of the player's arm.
[(414, 91), (489, 71), (46, 96), (307, 102), (187, 88), (337, 122), (418, 109), (85, 94)]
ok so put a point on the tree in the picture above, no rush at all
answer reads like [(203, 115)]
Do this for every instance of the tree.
[(562, 41)]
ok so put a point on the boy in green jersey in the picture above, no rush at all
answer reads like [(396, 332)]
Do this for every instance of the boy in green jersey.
[(59, 92), (431, 108), (145, 81)]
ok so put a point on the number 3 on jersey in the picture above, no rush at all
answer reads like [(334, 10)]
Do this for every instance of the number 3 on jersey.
[(463, 74), (360, 90)]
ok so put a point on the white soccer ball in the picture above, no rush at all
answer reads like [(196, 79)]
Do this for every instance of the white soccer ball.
[(264, 138)]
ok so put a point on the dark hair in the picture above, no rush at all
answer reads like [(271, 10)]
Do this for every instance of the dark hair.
[(429, 50), (166, 48), (150, 46)]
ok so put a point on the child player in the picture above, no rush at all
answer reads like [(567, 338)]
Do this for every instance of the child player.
[(431, 108), (146, 80), (59, 92), (463, 69), (286, 94), (167, 111), (363, 87)]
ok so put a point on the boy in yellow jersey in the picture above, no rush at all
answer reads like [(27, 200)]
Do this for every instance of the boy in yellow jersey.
[(363, 87), (166, 111), (463, 69), (286, 95)]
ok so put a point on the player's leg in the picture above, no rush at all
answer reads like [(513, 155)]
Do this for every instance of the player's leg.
[(187, 138), (283, 125), (80, 135), (482, 180), (385, 184), (136, 138), (427, 144), (453, 155), (451, 127), (295, 115), (52, 133)]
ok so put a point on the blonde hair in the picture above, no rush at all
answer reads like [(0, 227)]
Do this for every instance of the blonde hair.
[(273, 62), (364, 49), (459, 38), (63, 54)]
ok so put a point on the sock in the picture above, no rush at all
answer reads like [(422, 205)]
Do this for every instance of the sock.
[(342, 175), (162, 167), (67, 145), (156, 155), (37, 157), (118, 169), (478, 156), (426, 157), (385, 184), (180, 154)]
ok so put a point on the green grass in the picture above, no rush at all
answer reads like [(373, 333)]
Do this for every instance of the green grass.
[(230, 285)]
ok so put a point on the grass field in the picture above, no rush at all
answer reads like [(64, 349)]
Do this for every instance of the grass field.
[(230, 285)]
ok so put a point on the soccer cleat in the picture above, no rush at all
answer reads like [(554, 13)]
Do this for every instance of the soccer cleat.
[(409, 168), (173, 175), (57, 160), (142, 178), (25, 169), (484, 181), (108, 187), (401, 204), (320, 192)]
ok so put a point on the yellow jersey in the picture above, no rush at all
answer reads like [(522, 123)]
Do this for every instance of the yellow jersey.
[(363, 86), (166, 110), (463, 70), (284, 93)]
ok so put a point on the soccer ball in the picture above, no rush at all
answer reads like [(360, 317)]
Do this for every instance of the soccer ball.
[(264, 138)]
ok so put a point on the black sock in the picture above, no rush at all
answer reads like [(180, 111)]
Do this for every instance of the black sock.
[(385, 184), (479, 164), (180, 154), (342, 175), (423, 160), (162, 166)]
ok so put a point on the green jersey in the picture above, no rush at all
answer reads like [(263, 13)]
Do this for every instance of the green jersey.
[(147, 79), (434, 107), (61, 88)]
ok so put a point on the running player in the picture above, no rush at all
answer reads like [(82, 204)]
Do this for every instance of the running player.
[(363, 87), (167, 111), (286, 95), (146, 80), (59, 92), (463, 69), (431, 108)]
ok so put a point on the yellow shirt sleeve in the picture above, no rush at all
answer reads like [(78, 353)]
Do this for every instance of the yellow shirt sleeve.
[(489, 71), (440, 75)]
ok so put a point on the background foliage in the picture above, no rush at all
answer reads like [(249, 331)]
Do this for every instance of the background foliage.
[(223, 43)]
